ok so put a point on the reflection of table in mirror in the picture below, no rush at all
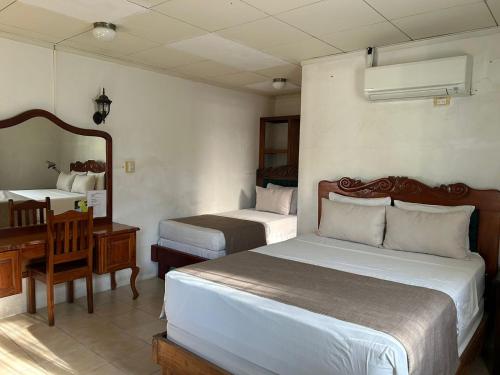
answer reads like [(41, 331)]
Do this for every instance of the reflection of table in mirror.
[(114, 250)]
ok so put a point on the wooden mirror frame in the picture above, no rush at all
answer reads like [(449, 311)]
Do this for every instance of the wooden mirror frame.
[(33, 113)]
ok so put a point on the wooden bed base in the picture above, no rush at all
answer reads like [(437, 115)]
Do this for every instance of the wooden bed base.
[(175, 360), (168, 258)]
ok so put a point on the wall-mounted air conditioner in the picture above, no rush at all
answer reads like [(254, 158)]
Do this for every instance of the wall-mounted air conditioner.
[(422, 79)]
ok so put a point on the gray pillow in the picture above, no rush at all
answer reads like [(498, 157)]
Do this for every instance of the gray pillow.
[(438, 209), (352, 222), (273, 200), (65, 181), (440, 234), (82, 184), (293, 203)]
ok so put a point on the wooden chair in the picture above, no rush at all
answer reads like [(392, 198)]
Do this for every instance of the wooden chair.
[(68, 257), (28, 212)]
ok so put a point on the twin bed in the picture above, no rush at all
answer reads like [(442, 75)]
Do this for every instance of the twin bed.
[(270, 310)]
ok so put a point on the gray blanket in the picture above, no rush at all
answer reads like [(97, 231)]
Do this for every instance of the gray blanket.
[(239, 234), (423, 320)]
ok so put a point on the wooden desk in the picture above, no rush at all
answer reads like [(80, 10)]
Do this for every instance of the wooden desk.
[(114, 249)]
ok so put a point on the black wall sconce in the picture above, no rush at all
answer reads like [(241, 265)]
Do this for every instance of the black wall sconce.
[(103, 108)]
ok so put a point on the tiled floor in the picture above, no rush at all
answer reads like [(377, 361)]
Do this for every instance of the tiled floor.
[(116, 339)]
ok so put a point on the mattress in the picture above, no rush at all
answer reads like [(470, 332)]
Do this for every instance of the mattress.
[(192, 250), (244, 333), (278, 228)]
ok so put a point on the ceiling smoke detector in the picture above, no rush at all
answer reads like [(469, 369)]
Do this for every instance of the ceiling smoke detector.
[(279, 83), (104, 31)]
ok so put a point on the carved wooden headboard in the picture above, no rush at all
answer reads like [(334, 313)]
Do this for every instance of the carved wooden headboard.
[(286, 175), (487, 203), (88, 166)]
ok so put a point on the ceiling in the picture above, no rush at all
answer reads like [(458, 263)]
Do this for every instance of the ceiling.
[(239, 43)]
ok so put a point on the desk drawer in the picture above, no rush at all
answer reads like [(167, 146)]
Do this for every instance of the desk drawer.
[(10, 273), (114, 253)]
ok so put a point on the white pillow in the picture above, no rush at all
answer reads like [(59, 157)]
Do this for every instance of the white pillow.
[(82, 184), (99, 180), (440, 234), (386, 201), (438, 209), (352, 222), (78, 173), (65, 181), (273, 200), (293, 203)]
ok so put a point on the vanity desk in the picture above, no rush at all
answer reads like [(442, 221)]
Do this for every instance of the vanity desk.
[(114, 250), (48, 151)]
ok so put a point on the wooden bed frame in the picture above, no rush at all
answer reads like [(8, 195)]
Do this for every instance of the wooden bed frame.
[(168, 258), (177, 360), (88, 166)]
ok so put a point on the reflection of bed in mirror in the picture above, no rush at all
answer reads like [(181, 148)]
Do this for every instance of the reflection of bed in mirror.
[(61, 200)]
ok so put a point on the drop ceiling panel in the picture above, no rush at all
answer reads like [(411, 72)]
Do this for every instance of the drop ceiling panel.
[(147, 3), (123, 44), (379, 34), (89, 10), (163, 57), (267, 88), (402, 8), (495, 9), (239, 79), (41, 21), (264, 33), (158, 27), (330, 16), (28, 34), (224, 51), (291, 72), (211, 15), (278, 6), (206, 69), (447, 21), (303, 50)]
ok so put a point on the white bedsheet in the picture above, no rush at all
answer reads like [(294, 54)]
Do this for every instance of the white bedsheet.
[(278, 228), (260, 335), (60, 200)]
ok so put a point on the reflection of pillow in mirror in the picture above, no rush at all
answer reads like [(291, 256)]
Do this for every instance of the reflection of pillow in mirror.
[(78, 173), (99, 180), (65, 181), (82, 184)]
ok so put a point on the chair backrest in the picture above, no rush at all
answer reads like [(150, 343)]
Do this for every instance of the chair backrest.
[(28, 212), (69, 237)]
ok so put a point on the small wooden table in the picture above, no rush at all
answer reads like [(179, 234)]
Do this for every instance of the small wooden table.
[(114, 249)]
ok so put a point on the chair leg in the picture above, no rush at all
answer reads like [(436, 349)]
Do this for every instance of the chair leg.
[(70, 292), (50, 303), (31, 296), (90, 294)]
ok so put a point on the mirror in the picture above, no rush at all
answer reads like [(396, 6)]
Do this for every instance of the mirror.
[(41, 156)]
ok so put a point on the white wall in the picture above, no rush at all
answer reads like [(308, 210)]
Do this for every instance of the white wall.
[(286, 105), (342, 134), (195, 145)]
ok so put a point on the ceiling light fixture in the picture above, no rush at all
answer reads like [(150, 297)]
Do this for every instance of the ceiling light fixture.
[(104, 31), (279, 83)]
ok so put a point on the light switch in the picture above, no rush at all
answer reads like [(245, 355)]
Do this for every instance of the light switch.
[(129, 166), (441, 100)]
